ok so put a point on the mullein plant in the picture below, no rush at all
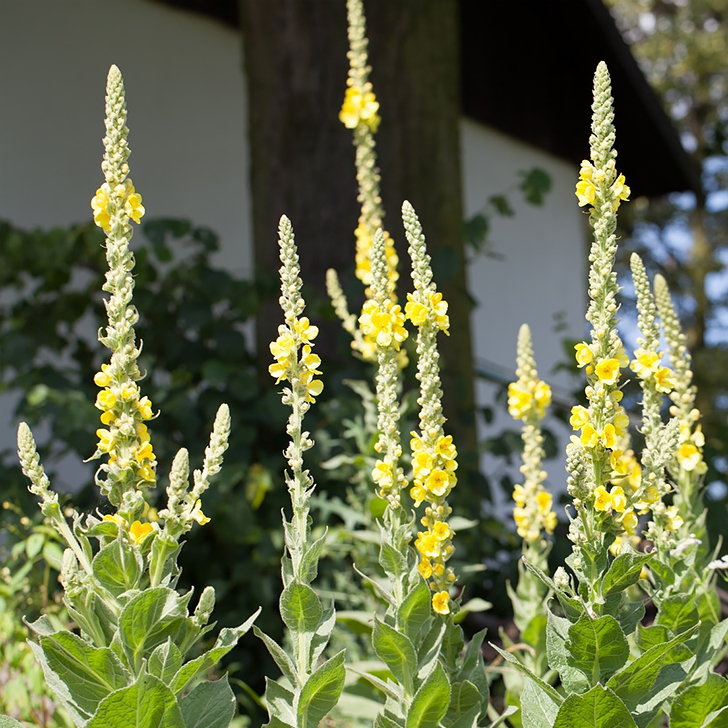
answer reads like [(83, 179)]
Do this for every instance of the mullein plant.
[(308, 688), (128, 664), (528, 400), (612, 673), (360, 113)]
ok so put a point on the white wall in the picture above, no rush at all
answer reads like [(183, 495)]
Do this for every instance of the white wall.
[(186, 104), (540, 271), (187, 116)]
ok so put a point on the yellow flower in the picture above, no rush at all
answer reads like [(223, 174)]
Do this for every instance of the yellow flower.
[(620, 191), (108, 418), (425, 568), (550, 522), (309, 361), (359, 106), (442, 531), (688, 456), (146, 472), (664, 380), (100, 207), (133, 205), (519, 400), (422, 464), (602, 499), (519, 495), (579, 417), (630, 522), (105, 399), (114, 518), (382, 474), (589, 436), (439, 308), (145, 452), (586, 192), (619, 500), (418, 494), (608, 371), (609, 436), (283, 346), (414, 311), (673, 520), (139, 531), (385, 325), (543, 501), (645, 363), (441, 602), (279, 371), (102, 378), (620, 421), (584, 354), (437, 482), (542, 397), (428, 545), (305, 330), (198, 515), (106, 440), (314, 387), (144, 407), (445, 447)]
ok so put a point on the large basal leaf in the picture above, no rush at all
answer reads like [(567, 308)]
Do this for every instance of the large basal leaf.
[(301, 608), (321, 692), (90, 673), (414, 610), (431, 701), (209, 705), (148, 620), (702, 706), (147, 703), (396, 651), (226, 640), (599, 708), (118, 567), (597, 647)]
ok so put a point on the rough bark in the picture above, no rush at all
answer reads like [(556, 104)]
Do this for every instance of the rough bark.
[(302, 159)]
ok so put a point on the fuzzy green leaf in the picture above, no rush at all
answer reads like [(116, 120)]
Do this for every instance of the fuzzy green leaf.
[(226, 640), (676, 613), (301, 608), (309, 562), (118, 567), (280, 703), (209, 705), (396, 651), (634, 683), (652, 636), (624, 571), (382, 721), (7, 722), (415, 610), (321, 692), (599, 708), (322, 634), (465, 697), (538, 707), (431, 701), (598, 647), (148, 620), (90, 673), (147, 703), (559, 658), (165, 661), (702, 706), (279, 655), (511, 660)]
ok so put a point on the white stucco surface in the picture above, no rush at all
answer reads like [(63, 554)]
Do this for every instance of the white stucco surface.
[(186, 102), (538, 276), (188, 120)]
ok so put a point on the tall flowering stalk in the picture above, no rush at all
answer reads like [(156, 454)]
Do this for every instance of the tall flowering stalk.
[(308, 689), (360, 113), (660, 441), (612, 672), (127, 665), (528, 400)]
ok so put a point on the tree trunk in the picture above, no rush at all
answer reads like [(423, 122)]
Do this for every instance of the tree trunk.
[(302, 158)]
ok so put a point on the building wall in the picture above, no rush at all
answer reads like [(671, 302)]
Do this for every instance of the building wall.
[(189, 157)]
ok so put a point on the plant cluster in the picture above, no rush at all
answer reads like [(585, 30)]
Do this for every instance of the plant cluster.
[(135, 657)]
